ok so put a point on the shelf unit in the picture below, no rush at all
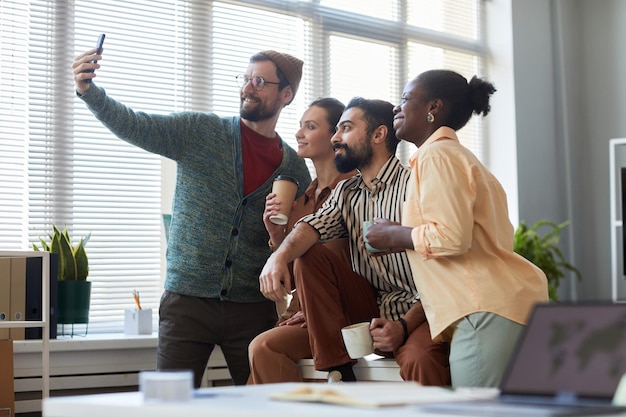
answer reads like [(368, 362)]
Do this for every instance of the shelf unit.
[(45, 314), (617, 166)]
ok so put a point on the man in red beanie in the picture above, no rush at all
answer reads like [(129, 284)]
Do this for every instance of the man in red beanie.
[(218, 242)]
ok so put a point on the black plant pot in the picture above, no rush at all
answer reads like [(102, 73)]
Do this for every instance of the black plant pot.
[(73, 300)]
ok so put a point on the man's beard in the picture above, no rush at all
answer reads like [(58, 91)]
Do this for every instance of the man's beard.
[(353, 159), (258, 113)]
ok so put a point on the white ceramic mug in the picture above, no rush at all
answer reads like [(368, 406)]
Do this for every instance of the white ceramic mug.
[(358, 340)]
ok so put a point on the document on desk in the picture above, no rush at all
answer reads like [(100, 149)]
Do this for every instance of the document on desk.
[(378, 394)]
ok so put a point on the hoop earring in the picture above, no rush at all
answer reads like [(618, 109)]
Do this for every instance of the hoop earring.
[(430, 118)]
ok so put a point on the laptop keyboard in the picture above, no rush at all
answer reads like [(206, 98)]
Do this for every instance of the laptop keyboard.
[(500, 409)]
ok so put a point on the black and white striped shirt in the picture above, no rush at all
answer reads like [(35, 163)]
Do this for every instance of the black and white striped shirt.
[(342, 215)]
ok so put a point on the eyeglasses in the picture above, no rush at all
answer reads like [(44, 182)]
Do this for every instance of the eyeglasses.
[(257, 82)]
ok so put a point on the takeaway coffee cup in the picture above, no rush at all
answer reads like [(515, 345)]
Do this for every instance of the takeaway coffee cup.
[(358, 340), (285, 188)]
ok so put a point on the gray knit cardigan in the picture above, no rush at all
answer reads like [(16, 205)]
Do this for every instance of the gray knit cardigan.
[(218, 243)]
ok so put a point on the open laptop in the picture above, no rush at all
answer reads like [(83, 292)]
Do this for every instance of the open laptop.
[(568, 361)]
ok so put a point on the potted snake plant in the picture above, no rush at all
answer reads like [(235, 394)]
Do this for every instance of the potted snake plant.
[(74, 291)]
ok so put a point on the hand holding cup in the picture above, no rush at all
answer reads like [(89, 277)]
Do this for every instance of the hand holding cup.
[(366, 225), (285, 188), (358, 340)]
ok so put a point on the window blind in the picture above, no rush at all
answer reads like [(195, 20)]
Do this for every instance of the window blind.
[(58, 165), (13, 124)]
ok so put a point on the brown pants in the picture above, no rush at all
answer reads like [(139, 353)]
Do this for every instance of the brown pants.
[(274, 355), (190, 327), (333, 296)]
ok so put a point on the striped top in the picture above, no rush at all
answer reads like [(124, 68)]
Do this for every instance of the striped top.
[(342, 215)]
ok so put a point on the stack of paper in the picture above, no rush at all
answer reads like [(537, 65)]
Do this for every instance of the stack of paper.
[(379, 394)]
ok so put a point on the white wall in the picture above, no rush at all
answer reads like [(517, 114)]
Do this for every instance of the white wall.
[(603, 112), (570, 100)]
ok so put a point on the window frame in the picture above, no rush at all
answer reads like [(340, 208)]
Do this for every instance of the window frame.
[(199, 92)]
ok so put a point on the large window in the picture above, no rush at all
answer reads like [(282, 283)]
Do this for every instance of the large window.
[(58, 165)]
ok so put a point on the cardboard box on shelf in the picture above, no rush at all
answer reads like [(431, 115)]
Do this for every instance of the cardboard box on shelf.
[(7, 396), (18, 296)]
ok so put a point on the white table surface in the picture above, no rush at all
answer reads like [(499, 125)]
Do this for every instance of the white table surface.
[(223, 401), (233, 401)]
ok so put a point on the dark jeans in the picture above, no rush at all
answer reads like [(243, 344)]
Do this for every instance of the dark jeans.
[(190, 327)]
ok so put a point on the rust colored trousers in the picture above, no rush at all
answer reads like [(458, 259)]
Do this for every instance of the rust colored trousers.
[(333, 296)]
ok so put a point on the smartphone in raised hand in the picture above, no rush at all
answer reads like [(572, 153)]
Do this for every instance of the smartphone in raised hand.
[(99, 46)]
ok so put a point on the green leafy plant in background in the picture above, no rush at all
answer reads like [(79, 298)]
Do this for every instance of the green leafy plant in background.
[(73, 261), (543, 251)]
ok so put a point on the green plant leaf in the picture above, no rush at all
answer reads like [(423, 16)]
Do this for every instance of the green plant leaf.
[(66, 251), (543, 251), (73, 261), (82, 264)]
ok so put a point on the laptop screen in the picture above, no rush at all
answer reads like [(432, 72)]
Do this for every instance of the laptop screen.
[(577, 349)]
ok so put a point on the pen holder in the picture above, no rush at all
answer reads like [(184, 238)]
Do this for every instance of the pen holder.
[(138, 321)]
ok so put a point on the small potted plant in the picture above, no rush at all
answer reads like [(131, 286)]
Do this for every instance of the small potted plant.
[(544, 252), (74, 291)]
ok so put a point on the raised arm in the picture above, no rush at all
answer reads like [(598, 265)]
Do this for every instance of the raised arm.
[(81, 65)]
